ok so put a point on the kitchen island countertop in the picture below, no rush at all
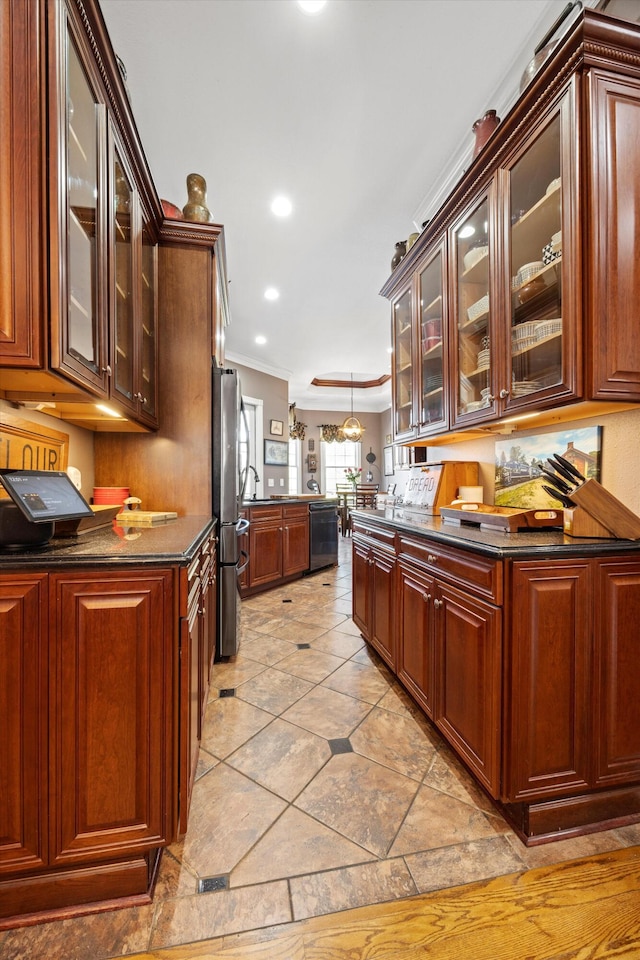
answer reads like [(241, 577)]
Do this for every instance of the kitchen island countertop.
[(492, 542)]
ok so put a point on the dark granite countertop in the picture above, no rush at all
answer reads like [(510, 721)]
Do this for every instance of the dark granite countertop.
[(496, 543), (174, 541)]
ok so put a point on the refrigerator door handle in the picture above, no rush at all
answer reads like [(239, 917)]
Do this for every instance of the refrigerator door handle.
[(242, 525), (244, 556)]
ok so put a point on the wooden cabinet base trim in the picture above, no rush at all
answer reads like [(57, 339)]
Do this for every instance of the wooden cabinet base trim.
[(61, 894), (559, 819)]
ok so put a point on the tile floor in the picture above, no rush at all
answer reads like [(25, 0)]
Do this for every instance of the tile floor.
[(320, 787)]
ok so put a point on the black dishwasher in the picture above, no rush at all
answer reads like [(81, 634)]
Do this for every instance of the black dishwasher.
[(323, 534)]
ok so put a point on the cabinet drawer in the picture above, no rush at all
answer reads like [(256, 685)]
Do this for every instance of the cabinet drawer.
[(295, 510), (379, 534), (480, 574), (265, 513)]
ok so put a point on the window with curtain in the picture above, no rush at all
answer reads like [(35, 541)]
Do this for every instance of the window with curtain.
[(294, 467), (336, 458)]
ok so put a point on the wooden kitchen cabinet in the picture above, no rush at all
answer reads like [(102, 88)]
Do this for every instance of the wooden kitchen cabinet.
[(416, 636), (278, 547), (23, 748), (539, 248), (86, 174), (374, 584), (111, 653)]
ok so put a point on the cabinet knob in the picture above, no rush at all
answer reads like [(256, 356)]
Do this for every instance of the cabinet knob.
[(370, 561), (503, 394), (106, 369), (437, 604), (432, 558), (426, 597)]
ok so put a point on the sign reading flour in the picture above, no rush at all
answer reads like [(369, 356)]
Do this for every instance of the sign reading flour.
[(30, 446)]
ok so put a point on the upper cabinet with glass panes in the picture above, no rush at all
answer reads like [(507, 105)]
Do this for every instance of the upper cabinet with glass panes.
[(541, 277)]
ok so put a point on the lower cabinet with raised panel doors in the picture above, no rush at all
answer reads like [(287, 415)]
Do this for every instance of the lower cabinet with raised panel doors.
[(103, 681), (522, 653), (278, 545)]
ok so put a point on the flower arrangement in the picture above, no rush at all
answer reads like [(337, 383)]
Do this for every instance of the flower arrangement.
[(353, 474)]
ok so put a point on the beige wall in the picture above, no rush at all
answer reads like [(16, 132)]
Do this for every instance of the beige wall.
[(80, 441), (372, 440)]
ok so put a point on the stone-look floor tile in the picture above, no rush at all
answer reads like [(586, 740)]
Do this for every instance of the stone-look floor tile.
[(327, 713), (205, 762), (93, 937), (228, 723), (265, 649), (283, 758), (360, 800), (395, 742), (274, 690), (340, 605), (318, 615), (359, 680), (237, 670), (297, 632), (463, 863), (336, 890), (229, 813), (296, 844), (340, 644), (449, 776), (397, 700), (349, 627), (209, 915), (437, 820), (312, 665), (546, 854), (175, 878)]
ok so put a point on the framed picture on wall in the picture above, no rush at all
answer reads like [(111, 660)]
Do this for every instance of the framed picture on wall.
[(276, 453), (276, 428), (387, 459)]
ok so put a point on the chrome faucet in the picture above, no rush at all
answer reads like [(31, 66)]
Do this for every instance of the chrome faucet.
[(257, 480)]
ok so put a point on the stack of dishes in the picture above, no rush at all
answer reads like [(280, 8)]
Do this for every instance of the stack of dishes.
[(523, 335), (433, 383), (521, 388), (547, 328), (484, 357), (478, 308), (529, 270)]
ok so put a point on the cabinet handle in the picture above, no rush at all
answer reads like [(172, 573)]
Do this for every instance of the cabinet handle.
[(503, 394), (426, 597), (437, 604), (106, 370), (371, 561), (432, 558)]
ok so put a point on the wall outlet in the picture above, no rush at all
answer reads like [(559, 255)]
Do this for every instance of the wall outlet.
[(281, 482), (270, 482)]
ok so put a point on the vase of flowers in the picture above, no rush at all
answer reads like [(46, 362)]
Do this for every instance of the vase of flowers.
[(353, 474)]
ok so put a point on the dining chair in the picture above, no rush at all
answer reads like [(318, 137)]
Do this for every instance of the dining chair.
[(366, 494), (347, 498)]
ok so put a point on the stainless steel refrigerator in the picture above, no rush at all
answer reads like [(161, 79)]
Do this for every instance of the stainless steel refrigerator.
[(228, 475)]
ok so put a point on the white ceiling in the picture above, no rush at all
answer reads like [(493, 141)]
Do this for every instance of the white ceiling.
[(357, 114)]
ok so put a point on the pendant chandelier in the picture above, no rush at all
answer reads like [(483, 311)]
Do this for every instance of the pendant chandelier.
[(352, 428)]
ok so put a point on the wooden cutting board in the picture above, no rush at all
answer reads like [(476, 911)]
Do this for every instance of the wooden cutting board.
[(509, 519)]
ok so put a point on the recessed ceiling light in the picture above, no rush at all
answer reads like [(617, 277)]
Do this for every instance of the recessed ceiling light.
[(281, 206), (311, 6), (261, 339), (271, 293)]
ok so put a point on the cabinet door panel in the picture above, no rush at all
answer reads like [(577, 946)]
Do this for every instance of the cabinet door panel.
[(361, 595), (23, 706), (416, 644), (295, 546), (614, 226), (265, 554), (111, 658), (550, 678), (469, 708), (382, 573), (617, 714), (20, 195)]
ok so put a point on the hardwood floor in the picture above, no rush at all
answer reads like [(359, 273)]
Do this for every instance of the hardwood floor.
[(579, 910)]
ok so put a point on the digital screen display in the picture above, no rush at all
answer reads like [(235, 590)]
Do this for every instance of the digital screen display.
[(45, 495)]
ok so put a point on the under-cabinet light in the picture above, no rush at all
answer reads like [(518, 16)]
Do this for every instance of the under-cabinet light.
[(103, 408), (523, 416)]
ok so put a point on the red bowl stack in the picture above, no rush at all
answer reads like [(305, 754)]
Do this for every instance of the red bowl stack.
[(110, 495)]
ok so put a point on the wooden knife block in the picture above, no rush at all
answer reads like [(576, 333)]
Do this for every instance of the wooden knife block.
[(600, 514)]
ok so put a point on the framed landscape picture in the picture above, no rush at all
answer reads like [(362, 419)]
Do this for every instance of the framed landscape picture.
[(519, 480), (276, 453)]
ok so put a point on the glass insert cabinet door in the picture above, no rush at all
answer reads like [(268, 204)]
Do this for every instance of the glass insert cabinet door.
[(474, 360), (83, 338), (148, 327), (432, 405), (123, 296), (403, 365), (535, 257)]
